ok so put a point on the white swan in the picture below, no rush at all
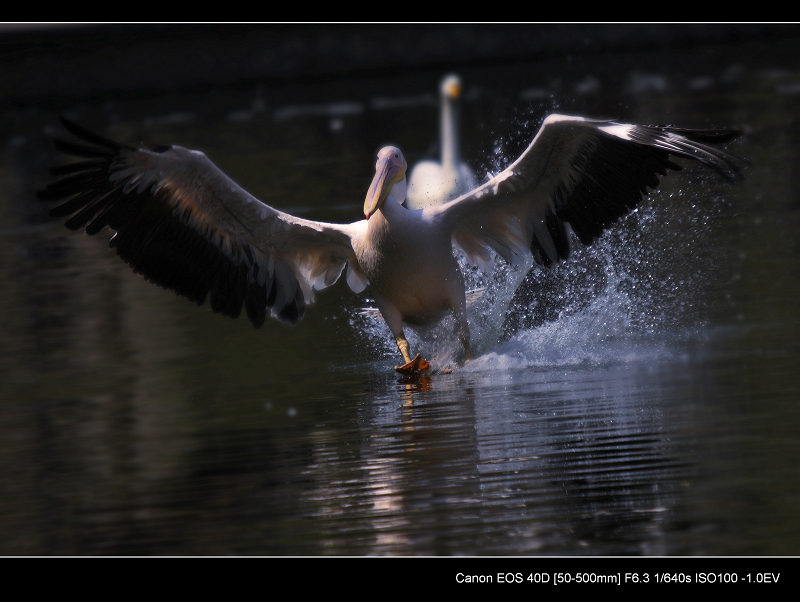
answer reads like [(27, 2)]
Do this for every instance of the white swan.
[(431, 182)]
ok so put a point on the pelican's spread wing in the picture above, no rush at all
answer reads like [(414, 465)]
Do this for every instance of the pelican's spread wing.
[(582, 172), (184, 225)]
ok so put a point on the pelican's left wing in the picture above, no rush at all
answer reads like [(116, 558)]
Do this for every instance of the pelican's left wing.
[(582, 172), (184, 225)]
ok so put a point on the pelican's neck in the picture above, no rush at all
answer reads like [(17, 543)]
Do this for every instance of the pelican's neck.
[(392, 208), (449, 133), (397, 194)]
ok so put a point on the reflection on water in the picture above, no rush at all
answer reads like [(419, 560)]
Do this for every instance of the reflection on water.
[(592, 471), (640, 399)]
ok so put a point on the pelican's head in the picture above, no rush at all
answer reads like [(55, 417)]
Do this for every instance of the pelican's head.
[(451, 87), (389, 180)]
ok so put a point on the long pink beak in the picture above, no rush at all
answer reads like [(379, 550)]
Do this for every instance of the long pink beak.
[(387, 175)]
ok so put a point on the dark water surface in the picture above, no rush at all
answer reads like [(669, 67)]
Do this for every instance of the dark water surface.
[(648, 404)]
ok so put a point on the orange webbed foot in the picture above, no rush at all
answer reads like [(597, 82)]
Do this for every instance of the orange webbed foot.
[(416, 366)]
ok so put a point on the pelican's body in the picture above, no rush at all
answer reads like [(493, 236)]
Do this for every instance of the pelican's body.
[(436, 182), (413, 274), (426, 289), (185, 225)]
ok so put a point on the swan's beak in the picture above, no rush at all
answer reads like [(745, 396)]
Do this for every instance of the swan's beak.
[(452, 87), (388, 172)]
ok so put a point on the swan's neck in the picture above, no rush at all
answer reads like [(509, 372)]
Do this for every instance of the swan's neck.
[(449, 134)]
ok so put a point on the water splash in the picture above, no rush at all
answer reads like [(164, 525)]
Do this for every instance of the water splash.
[(617, 301), (601, 333)]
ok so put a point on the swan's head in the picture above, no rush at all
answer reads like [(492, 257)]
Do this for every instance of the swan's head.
[(451, 87), (389, 180)]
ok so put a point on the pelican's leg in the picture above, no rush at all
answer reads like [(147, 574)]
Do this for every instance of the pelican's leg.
[(417, 365), (414, 365), (404, 347)]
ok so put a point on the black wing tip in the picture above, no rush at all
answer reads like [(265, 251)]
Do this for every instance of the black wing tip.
[(88, 135), (693, 143), (96, 152), (708, 136), (700, 145)]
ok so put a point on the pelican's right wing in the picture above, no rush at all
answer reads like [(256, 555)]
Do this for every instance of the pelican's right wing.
[(582, 172), (184, 225)]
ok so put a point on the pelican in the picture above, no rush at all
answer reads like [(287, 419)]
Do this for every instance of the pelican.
[(184, 225), (432, 183)]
